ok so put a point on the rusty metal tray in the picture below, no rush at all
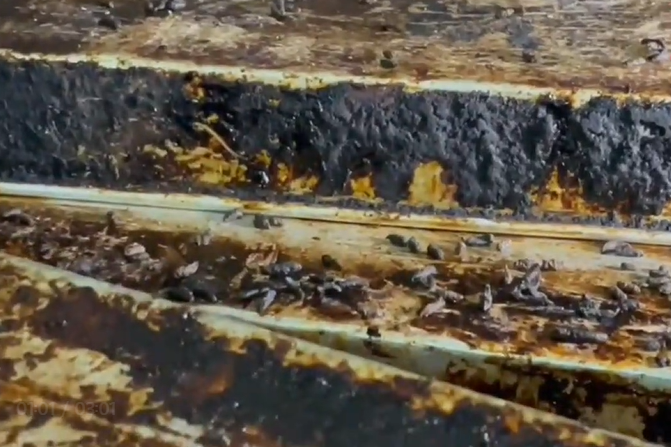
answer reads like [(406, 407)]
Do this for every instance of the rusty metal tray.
[(620, 383), (524, 110), (545, 124), (89, 363)]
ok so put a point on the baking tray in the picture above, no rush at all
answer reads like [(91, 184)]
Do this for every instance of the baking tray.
[(506, 110), (89, 363), (620, 383)]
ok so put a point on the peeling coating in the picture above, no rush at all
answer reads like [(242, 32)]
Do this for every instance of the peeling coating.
[(247, 389)]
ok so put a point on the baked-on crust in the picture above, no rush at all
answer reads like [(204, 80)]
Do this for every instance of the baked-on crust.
[(528, 108)]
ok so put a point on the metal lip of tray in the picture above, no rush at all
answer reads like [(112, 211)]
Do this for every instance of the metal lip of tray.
[(430, 42), (505, 352)]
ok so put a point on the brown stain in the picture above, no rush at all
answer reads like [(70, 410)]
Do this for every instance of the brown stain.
[(58, 407), (430, 186), (599, 399), (620, 352), (510, 328)]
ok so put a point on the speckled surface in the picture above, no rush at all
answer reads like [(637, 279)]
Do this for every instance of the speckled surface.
[(567, 44)]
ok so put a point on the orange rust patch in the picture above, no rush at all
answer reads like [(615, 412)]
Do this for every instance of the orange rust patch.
[(212, 168), (304, 184), (428, 187), (553, 197), (363, 188)]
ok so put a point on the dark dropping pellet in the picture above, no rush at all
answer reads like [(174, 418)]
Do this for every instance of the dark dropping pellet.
[(435, 252)]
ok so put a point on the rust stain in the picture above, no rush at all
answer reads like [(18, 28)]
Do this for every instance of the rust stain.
[(595, 398), (212, 168), (429, 187), (304, 184), (363, 188), (553, 197), (474, 41), (77, 239), (208, 165), (510, 328)]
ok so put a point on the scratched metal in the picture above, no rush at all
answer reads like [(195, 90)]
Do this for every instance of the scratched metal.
[(579, 44), (506, 352), (87, 363)]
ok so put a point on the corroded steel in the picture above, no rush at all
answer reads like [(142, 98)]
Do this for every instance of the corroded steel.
[(576, 44), (538, 115), (610, 360), (530, 110), (112, 366)]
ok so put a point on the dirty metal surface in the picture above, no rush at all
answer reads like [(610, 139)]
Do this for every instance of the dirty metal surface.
[(521, 111), (593, 351), (542, 43), (117, 367), (572, 230)]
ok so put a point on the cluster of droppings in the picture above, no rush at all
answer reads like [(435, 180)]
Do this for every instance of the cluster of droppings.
[(461, 250), (474, 290)]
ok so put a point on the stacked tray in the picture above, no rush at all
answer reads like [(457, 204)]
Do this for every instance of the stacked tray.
[(473, 192), (87, 363), (582, 334)]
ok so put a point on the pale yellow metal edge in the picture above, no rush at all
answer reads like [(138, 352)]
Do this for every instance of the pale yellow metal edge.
[(427, 353), (205, 203), (298, 80)]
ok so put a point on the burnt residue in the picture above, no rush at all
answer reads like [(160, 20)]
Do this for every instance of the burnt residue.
[(238, 386), (80, 124), (337, 133), (580, 395), (95, 133), (86, 108), (622, 154)]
